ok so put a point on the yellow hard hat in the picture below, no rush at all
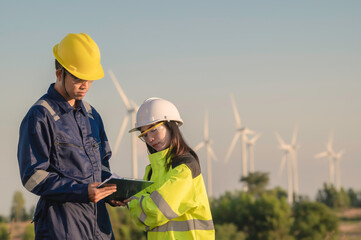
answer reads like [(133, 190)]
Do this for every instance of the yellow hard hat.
[(80, 56)]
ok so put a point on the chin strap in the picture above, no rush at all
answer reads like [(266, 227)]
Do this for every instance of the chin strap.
[(63, 80)]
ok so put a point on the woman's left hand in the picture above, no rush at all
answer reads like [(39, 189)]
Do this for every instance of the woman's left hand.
[(115, 203)]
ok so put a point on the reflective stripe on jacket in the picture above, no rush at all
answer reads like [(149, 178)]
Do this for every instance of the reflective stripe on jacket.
[(61, 150), (176, 206)]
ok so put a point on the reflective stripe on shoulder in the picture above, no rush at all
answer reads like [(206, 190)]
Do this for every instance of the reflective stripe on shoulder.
[(47, 106), (35, 179), (162, 205), (88, 108), (181, 226)]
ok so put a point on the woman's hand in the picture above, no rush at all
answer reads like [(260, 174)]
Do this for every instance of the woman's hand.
[(115, 203), (126, 202)]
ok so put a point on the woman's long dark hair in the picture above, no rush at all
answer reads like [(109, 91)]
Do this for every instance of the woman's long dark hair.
[(177, 146)]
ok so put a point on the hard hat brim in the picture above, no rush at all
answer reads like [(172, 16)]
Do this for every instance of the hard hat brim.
[(179, 123)]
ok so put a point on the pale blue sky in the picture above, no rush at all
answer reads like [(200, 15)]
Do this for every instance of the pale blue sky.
[(286, 62)]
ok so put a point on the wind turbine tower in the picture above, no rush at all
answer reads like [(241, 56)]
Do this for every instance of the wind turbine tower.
[(209, 154), (240, 132), (131, 112), (250, 145), (330, 155), (337, 158), (287, 149), (295, 147)]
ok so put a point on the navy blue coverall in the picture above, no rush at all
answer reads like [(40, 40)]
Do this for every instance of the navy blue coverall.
[(61, 150)]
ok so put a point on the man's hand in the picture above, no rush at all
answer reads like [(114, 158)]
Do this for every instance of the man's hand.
[(96, 194)]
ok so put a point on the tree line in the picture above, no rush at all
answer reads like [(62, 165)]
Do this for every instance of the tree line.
[(260, 213)]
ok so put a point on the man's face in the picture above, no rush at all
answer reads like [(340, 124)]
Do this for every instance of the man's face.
[(75, 87)]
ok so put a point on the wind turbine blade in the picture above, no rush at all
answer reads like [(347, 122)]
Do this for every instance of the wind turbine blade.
[(280, 140), (230, 149), (236, 114), (248, 131), (213, 155), (206, 130), (339, 154), (294, 136), (282, 166), (199, 146), (255, 138), (321, 155), (120, 134), (120, 90)]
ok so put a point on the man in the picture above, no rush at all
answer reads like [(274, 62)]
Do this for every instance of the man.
[(63, 150)]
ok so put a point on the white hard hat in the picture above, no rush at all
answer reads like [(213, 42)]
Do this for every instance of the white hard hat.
[(155, 110)]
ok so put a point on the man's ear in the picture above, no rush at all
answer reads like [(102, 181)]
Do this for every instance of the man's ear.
[(58, 74)]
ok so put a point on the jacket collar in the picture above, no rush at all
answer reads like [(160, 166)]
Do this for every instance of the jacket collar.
[(61, 101), (158, 158), (158, 165)]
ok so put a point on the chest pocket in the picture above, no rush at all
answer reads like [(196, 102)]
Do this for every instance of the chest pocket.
[(72, 160)]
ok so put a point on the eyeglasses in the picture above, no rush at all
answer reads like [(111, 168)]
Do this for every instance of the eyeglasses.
[(74, 79), (152, 130), (79, 81)]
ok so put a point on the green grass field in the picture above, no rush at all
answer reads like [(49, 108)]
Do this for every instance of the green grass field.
[(350, 226)]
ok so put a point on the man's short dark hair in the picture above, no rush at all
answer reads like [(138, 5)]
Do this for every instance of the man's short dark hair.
[(57, 65)]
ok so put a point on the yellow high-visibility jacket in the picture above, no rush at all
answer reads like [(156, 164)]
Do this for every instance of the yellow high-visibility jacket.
[(176, 206)]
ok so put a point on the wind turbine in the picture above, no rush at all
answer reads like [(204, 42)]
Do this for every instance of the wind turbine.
[(287, 149), (250, 145), (209, 154), (240, 132), (337, 158), (294, 147), (131, 112), (330, 155)]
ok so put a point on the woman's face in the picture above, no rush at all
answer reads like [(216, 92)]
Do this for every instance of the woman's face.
[(158, 137)]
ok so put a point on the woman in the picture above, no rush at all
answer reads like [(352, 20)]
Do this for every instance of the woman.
[(176, 205)]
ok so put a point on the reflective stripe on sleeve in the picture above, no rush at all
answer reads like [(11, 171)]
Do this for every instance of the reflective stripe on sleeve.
[(134, 197), (179, 226), (105, 169), (47, 106), (162, 205), (143, 216), (35, 179)]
